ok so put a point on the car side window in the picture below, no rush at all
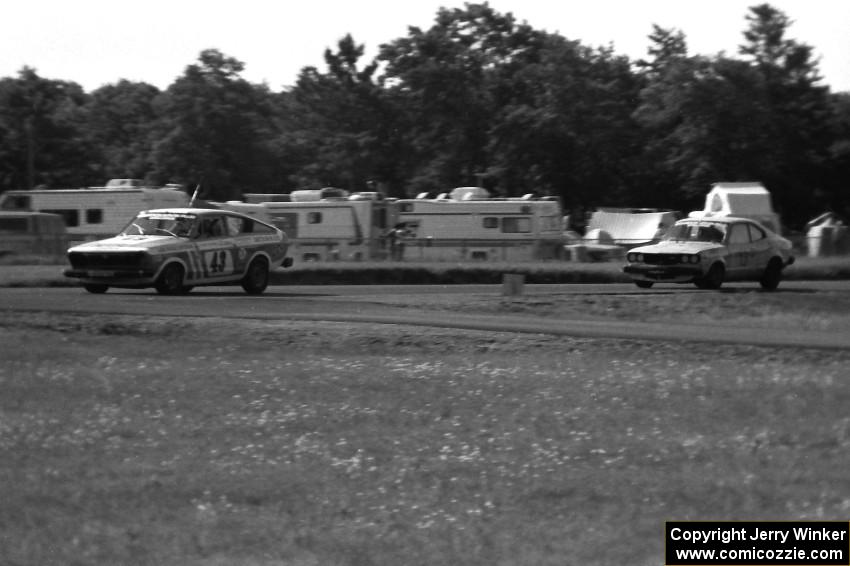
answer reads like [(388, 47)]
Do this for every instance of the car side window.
[(211, 227), (739, 234), (756, 233), (260, 228), (235, 225)]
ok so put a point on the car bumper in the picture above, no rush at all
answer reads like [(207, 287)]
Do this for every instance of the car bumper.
[(671, 273), (132, 277)]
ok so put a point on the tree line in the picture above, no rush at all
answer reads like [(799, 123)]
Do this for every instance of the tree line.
[(476, 99)]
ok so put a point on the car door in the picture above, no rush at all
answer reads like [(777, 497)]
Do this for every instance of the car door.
[(216, 248), (241, 230), (738, 261), (760, 250)]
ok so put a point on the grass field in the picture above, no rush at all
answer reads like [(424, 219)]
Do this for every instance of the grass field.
[(162, 442)]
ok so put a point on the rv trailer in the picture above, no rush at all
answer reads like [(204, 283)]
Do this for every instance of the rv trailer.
[(329, 224), (94, 213), (466, 224)]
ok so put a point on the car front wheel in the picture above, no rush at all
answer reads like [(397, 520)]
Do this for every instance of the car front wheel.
[(257, 277), (170, 281), (713, 279)]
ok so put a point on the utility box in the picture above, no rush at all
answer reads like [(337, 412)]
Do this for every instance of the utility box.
[(513, 284)]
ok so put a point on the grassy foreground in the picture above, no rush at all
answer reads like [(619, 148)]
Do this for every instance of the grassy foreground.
[(151, 441)]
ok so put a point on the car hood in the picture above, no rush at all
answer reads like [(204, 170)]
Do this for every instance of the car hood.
[(675, 247), (131, 243)]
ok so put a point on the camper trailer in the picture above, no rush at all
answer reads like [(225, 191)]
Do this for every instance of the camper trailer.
[(36, 233), (329, 224), (466, 224), (94, 213), (743, 200)]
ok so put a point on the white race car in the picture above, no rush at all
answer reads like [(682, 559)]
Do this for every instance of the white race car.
[(708, 252), (174, 250)]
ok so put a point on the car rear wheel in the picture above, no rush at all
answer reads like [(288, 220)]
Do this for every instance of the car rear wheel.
[(170, 281), (96, 288), (257, 277), (772, 275), (644, 284), (713, 279)]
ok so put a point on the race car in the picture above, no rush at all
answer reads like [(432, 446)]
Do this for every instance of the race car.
[(710, 251), (176, 249)]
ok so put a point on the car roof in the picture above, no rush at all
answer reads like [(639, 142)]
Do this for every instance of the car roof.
[(716, 219), (195, 211)]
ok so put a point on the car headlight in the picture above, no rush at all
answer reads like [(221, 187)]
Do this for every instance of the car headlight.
[(695, 258), (630, 258), (639, 257)]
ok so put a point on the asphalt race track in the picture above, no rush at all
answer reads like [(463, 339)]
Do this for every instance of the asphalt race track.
[(352, 304)]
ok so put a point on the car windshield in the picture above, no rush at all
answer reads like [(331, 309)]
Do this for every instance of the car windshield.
[(179, 225), (696, 232)]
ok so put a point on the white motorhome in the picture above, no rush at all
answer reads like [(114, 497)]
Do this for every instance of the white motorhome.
[(329, 224), (93, 213), (466, 224), (744, 200)]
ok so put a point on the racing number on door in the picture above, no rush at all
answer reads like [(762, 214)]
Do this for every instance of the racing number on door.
[(218, 262)]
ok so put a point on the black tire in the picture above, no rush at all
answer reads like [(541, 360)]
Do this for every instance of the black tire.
[(170, 281), (96, 288), (772, 275), (644, 284), (256, 277), (714, 278)]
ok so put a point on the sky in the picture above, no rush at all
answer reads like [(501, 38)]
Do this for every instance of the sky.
[(99, 42)]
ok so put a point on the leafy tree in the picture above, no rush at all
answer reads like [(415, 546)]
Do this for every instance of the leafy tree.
[(705, 123), (836, 192), (572, 134), (443, 77), (40, 132), (336, 123), (214, 128), (798, 131), (666, 48), (120, 119), (710, 119)]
